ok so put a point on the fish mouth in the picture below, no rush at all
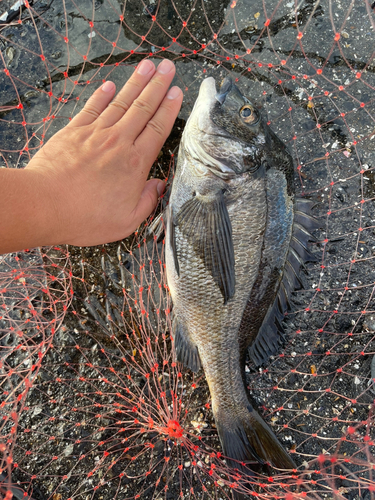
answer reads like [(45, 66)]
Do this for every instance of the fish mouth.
[(225, 88), (228, 87), (209, 93)]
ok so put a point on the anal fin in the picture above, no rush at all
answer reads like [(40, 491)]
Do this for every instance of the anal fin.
[(187, 353)]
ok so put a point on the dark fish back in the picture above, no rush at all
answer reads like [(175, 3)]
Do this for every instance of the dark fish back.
[(261, 326), (285, 250)]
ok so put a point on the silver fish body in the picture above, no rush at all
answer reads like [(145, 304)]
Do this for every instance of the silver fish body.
[(231, 227)]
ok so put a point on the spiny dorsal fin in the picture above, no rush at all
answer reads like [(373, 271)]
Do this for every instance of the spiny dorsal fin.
[(271, 333)]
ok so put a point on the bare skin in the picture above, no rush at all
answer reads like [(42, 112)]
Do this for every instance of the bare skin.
[(88, 184)]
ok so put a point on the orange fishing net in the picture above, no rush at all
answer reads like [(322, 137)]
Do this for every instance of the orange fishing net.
[(92, 402)]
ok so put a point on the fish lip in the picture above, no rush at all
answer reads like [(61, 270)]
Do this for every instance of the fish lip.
[(207, 89), (225, 88)]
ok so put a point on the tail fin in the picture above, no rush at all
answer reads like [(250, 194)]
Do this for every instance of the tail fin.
[(248, 438)]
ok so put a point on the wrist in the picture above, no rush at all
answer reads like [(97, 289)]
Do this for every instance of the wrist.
[(29, 210)]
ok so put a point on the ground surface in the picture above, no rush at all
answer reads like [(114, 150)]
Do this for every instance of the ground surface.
[(90, 386)]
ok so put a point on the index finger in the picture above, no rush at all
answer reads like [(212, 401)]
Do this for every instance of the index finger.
[(149, 100), (151, 140)]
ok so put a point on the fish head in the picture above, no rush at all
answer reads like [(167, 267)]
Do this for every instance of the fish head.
[(225, 132), (235, 113)]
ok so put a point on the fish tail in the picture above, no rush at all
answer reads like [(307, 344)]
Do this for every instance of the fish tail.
[(248, 438)]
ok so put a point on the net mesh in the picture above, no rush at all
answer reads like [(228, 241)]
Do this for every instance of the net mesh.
[(93, 403)]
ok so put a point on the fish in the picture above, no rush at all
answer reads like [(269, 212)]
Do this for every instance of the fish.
[(236, 237)]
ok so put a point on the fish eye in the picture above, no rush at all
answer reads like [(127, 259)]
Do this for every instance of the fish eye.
[(248, 114)]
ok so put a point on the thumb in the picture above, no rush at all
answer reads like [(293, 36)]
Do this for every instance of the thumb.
[(148, 200)]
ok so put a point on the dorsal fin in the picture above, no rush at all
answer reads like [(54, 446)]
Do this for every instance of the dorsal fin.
[(271, 333)]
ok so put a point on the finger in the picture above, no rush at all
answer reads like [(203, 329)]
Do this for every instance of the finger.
[(159, 127), (147, 201), (130, 91), (145, 106), (95, 105)]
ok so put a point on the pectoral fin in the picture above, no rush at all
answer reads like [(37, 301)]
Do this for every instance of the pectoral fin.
[(207, 225)]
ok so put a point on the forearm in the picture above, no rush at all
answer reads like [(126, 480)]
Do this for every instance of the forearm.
[(26, 211)]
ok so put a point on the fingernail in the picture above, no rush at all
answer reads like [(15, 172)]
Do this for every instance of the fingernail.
[(108, 87), (174, 92), (144, 67), (165, 67), (160, 188)]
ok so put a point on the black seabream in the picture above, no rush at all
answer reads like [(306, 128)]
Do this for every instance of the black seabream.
[(236, 237)]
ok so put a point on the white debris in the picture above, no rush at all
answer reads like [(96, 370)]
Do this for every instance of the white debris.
[(198, 425), (68, 450)]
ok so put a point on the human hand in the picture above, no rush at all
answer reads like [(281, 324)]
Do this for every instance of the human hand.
[(95, 170)]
